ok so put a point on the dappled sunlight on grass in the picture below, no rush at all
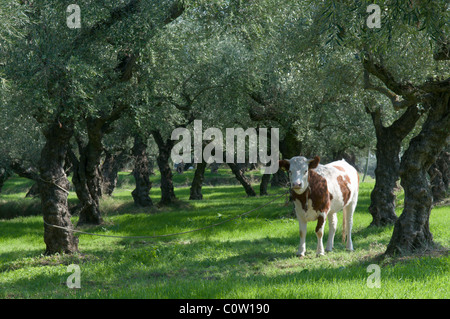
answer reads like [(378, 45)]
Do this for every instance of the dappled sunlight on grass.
[(249, 257)]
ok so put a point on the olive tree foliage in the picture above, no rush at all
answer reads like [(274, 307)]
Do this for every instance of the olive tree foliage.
[(234, 63), (305, 89), (192, 74), (188, 74), (16, 130), (20, 139), (20, 146)]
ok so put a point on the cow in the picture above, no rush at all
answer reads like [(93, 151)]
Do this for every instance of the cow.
[(319, 192)]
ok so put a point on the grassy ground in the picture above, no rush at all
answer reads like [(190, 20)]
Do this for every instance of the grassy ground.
[(251, 257)]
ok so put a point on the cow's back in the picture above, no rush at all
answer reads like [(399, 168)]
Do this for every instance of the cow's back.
[(342, 181)]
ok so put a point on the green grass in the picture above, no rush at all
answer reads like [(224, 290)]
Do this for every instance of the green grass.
[(251, 257)]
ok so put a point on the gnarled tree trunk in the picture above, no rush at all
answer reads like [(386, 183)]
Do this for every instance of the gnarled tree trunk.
[(112, 164), (411, 230), (141, 173), (382, 197), (165, 148), (264, 183), (197, 182), (87, 176), (440, 176), (53, 185), (239, 170), (389, 140)]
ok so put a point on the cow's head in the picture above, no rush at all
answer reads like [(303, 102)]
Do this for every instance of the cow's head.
[(298, 167)]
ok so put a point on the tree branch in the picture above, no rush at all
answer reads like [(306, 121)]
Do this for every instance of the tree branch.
[(443, 53), (126, 65), (116, 15), (203, 90), (407, 91), (397, 103), (376, 119), (403, 125), (263, 110), (436, 86), (18, 167), (175, 11), (120, 13)]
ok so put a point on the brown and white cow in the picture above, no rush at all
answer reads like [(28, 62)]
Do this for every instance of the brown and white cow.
[(319, 192)]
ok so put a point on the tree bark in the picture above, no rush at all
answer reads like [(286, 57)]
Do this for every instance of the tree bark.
[(238, 170), (389, 140), (4, 175), (279, 179), (411, 230), (141, 173), (289, 147), (264, 183), (165, 147), (440, 176), (53, 185), (112, 164), (109, 173), (382, 197), (197, 182), (87, 176)]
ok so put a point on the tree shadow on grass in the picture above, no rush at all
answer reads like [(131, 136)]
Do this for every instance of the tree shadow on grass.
[(20, 229), (242, 266), (247, 267), (367, 236), (20, 208)]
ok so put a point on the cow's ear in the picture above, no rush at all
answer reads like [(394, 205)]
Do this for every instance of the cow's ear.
[(284, 164), (314, 162)]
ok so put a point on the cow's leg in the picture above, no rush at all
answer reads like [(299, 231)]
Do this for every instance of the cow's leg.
[(344, 218), (302, 246), (319, 233), (332, 220), (349, 210)]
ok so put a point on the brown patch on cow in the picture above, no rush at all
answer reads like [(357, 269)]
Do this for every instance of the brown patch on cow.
[(319, 192), (315, 162), (345, 190), (347, 179), (358, 179), (320, 222), (303, 198), (339, 168)]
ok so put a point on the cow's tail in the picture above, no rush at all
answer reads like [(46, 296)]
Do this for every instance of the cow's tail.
[(344, 222)]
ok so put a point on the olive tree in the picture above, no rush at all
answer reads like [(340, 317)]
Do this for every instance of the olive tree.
[(64, 77), (405, 59)]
